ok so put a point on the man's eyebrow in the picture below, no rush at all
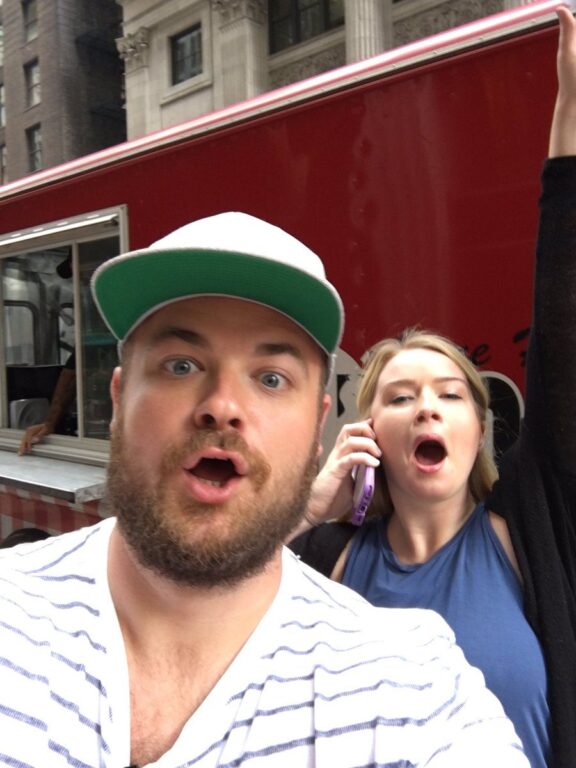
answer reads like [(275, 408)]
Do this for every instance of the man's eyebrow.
[(184, 334), (263, 349), (267, 349)]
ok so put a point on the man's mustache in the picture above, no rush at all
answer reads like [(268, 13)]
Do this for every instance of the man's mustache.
[(226, 440)]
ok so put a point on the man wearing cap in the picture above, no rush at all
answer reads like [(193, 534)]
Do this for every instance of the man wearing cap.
[(179, 632)]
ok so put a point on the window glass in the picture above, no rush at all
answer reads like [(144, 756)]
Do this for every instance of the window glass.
[(32, 80), (186, 50), (52, 331), (282, 27), (20, 327), (2, 106), (311, 21), (3, 161), (336, 12), (282, 34), (98, 345), (36, 297), (34, 144), (294, 21), (30, 18)]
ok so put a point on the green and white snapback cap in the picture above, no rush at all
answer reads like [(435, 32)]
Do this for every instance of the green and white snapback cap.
[(229, 254)]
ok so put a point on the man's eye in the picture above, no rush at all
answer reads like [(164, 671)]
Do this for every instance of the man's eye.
[(181, 367), (272, 380)]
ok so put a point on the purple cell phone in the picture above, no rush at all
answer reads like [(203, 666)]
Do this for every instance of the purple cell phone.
[(363, 492)]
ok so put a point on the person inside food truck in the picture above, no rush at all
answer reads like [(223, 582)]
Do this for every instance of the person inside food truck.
[(62, 399)]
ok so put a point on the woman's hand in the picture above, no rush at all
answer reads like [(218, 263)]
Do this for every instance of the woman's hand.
[(331, 496)]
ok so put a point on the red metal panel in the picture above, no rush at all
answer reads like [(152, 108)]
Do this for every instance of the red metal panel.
[(418, 189)]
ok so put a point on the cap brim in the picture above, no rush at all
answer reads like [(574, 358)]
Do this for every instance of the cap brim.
[(137, 284)]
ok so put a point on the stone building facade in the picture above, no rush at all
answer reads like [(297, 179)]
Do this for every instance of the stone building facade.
[(239, 48), (60, 82)]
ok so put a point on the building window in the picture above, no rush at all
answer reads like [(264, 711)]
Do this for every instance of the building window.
[(34, 144), (51, 324), (2, 106), (32, 83), (30, 19), (186, 53), (3, 161), (295, 21)]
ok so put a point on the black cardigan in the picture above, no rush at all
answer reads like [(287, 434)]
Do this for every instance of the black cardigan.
[(536, 492)]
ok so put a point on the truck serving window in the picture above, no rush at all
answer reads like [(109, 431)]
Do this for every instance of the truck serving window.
[(53, 345)]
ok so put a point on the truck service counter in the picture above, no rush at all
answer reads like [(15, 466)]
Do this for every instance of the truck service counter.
[(48, 493)]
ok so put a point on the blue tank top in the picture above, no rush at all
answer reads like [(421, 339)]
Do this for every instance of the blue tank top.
[(472, 584)]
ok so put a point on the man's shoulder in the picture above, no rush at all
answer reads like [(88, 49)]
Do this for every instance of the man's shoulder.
[(340, 610), (56, 633), (386, 681), (71, 540), (48, 569)]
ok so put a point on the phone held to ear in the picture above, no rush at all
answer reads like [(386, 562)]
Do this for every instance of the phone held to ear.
[(363, 477)]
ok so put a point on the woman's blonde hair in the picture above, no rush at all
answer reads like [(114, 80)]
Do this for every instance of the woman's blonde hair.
[(484, 472)]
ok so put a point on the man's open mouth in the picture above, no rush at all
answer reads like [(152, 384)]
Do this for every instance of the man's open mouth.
[(215, 472)]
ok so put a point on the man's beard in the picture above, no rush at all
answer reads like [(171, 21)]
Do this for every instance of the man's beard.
[(173, 537)]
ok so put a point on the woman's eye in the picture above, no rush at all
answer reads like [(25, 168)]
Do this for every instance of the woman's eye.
[(181, 367), (272, 380), (400, 399), (451, 396)]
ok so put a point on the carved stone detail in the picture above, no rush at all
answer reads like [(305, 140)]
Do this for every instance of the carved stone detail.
[(441, 18), (133, 49), (308, 66), (234, 10)]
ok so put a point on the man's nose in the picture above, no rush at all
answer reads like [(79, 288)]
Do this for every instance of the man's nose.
[(219, 406)]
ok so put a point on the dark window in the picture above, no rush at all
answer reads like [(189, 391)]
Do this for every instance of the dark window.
[(186, 51), (3, 161), (34, 144), (30, 19), (32, 81), (295, 21)]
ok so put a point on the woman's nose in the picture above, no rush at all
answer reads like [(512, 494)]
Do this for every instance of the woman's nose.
[(427, 407)]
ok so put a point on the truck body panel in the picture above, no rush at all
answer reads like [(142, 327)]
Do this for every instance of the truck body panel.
[(414, 176)]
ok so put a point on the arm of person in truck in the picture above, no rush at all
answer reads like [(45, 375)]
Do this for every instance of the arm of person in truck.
[(63, 396)]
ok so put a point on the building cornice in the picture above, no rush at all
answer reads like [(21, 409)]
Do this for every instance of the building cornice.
[(235, 10), (133, 48)]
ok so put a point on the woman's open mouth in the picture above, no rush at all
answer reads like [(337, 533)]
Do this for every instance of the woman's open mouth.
[(430, 452)]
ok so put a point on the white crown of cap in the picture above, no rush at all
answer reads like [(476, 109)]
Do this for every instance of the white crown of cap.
[(238, 232)]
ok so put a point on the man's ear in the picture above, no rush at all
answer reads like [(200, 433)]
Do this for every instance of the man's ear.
[(324, 410), (115, 394)]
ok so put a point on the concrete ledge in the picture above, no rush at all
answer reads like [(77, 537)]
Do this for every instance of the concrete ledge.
[(66, 480)]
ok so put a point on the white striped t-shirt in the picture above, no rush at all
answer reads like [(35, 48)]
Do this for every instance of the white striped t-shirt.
[(325, 680)]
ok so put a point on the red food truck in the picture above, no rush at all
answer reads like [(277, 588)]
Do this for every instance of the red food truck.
[(414, 175)]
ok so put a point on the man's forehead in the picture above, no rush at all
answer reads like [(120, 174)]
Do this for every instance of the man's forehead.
[(199, 319)]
